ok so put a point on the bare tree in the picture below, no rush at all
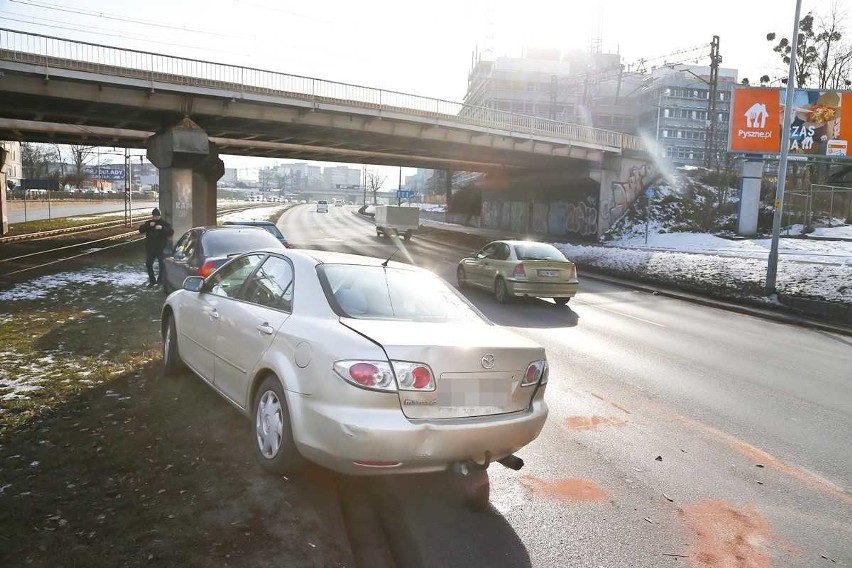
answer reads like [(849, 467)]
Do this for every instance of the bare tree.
[(36, 160), (375, 181), (822, 61), (78, 155)]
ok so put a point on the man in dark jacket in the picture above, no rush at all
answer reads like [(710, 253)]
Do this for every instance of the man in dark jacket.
[(157, 233)]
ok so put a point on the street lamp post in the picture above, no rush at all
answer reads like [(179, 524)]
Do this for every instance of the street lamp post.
[(772, 267)]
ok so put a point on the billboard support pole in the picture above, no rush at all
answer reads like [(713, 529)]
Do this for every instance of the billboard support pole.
[(772, 267)]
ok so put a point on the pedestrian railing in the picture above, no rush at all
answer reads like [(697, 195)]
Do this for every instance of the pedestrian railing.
[(57, 53)]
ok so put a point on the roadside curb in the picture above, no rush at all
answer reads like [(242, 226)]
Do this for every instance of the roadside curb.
[(789, 317)]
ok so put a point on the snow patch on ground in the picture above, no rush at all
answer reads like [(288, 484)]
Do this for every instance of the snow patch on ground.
[(800, 250), (831, 282), (259, 214), (120, 278)]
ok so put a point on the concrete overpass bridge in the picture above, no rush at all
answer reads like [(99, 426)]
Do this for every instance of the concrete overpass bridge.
[(185, 112)]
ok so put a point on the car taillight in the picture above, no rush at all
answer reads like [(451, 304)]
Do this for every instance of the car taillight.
[(413, 376), (379, 375), (535, 371), (519, 271), (207, 269), (573, 273), (375, 375)]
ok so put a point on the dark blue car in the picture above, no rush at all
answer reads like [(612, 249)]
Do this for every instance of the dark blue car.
[(267, 225)]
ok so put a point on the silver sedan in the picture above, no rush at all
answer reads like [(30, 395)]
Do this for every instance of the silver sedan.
[(362, 366)]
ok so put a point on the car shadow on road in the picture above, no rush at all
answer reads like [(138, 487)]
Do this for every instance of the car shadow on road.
[(523, 312), (428, 523)]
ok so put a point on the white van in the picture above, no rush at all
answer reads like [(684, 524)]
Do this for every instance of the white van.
[(322, 206)]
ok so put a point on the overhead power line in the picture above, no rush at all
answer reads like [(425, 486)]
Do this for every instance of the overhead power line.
[(118, 18), (60, 25)]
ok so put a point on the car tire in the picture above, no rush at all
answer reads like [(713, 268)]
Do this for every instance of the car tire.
[(272, 430), (561, 301), (501, 292), (172, 363), (407, 235), (461, 277)]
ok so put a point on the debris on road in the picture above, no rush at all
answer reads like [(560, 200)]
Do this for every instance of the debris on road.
[(659, 458)]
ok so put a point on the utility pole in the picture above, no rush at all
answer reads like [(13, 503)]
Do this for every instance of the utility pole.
[(399, 188), (710, 150), (554, 87), (772, 266), (128, 204)]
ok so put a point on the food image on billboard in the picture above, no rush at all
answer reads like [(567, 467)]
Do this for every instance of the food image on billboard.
[(820, 122)]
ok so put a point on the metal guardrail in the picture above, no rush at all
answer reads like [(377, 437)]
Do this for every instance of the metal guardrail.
[(57, 53)]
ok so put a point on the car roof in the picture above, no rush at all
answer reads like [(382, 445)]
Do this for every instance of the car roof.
[(514, 242), (329, 257), (249, 222)]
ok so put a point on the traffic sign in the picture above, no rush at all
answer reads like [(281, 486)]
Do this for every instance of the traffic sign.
[(405, 193)]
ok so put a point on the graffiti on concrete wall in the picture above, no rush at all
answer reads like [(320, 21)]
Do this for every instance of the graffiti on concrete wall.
[(580, 217), (560, 218), (539, 218), (518, 217), (620, 195), (583, 217)]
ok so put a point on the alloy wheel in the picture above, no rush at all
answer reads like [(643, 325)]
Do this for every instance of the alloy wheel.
[(269, 424)]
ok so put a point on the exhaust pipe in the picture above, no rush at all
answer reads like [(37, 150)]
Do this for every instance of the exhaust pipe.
[(512, 462), (465, 468)]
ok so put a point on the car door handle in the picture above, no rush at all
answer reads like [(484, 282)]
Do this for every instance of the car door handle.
[(265, 328), (214, 315)]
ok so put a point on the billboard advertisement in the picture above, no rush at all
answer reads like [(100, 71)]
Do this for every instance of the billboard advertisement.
[(106, 172), (820, 125)]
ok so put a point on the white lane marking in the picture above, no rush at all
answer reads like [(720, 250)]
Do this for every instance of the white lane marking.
[(620, 313)]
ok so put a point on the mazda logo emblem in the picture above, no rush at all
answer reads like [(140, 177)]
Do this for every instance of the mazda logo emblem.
[(488, 361)]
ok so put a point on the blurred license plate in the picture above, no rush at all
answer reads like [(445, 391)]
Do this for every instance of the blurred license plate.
[(473, 392), (548, 273)]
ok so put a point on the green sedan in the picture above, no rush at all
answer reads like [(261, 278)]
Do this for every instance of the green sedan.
[(513, 269)]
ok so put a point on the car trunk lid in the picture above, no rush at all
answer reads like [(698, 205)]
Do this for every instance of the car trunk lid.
[(477, 368), (549, 270)]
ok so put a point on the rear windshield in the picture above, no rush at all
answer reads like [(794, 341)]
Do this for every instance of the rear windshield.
[(538, 251), (322, 202), (376, 292), (220, 243), (271, 229)]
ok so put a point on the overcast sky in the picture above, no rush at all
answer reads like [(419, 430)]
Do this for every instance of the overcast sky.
[(418, 47)]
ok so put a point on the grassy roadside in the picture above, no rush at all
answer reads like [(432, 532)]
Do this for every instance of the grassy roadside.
[(60, 223), (104, 462)]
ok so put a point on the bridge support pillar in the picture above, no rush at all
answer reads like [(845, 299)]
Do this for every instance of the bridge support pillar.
[(189, 169), (4, 209), (622, 180)]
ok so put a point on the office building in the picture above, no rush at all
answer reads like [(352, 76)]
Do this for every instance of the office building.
[(675, 112)]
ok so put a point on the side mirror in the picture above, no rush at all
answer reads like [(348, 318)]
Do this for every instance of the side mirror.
[(193, 283)]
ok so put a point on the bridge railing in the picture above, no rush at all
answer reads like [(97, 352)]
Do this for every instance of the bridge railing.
[(58, 53)]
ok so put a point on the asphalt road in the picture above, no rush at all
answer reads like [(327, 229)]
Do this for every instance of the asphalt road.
[(679, 434), (22, 211)]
